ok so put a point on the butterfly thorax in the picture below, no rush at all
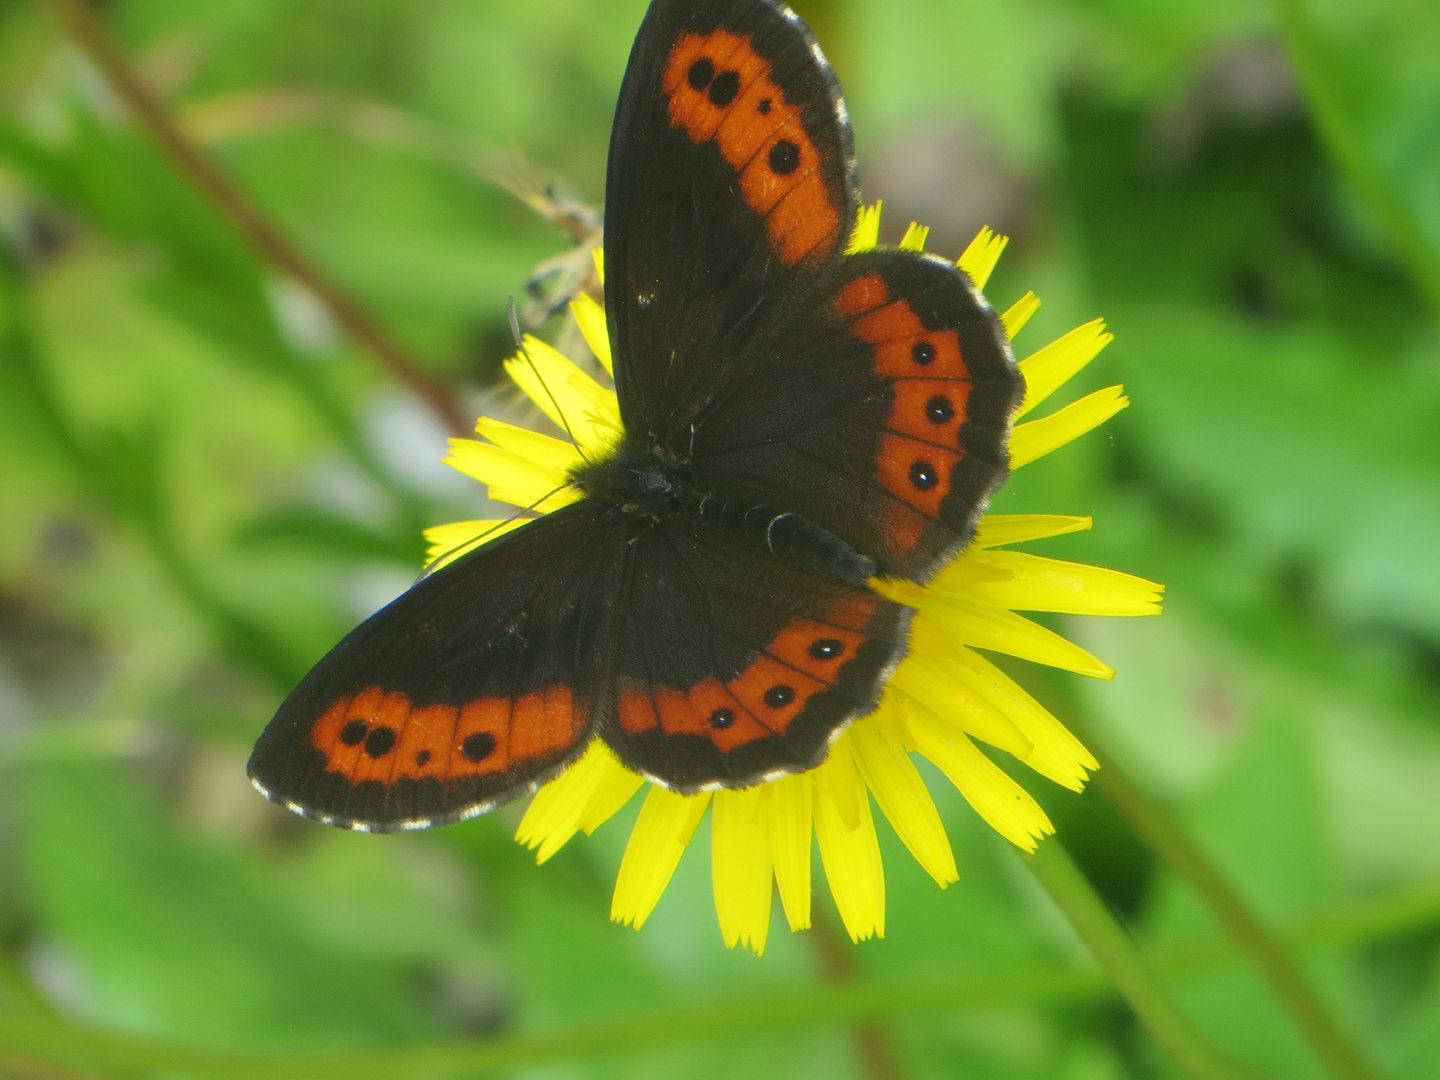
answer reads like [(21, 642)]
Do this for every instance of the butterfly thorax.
[(653, 484)]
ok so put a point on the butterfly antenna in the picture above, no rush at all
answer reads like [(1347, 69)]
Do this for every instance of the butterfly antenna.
[(476, 541), (520, 344)]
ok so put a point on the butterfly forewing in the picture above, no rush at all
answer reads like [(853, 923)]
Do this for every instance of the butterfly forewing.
[(479, 682), (729, 185)]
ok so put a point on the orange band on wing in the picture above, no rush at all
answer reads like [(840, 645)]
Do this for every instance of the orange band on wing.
[(775, 693), (802, 660), (853, 613), (906, 348), (379, 735), (480, 742), (929, 409), (915, 472), (720, 90), (637, 712), (930, 397), (729, 723), (861, 295)]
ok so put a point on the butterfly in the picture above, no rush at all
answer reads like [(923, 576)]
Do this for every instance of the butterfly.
[(796, 421)]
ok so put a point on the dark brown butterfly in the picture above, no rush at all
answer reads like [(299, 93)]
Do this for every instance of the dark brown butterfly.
[(796, 421)]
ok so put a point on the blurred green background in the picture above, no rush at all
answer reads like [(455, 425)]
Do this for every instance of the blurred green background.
[(203, 485)]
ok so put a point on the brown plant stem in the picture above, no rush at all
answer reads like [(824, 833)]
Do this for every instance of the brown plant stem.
[(872, 1042), (1173, 843), (89, 33)]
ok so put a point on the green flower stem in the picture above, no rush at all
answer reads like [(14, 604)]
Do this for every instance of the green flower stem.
[(36, 1036), (1173, 844), (1114, 950)]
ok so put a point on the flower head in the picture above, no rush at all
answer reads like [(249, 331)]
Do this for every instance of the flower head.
[(942, 699)]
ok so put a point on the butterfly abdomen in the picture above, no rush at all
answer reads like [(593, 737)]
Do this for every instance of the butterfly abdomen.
[(788, 535)]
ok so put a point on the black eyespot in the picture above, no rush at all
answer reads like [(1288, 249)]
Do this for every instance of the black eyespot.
[(422, 758), (763, 107), (777, 697), (826, 648), (353, 733), (938, 410), (701, 72), (478, 745), (924, 475), (784, 158), (923, 353), (721, 719), (724, 88), (380, 741)]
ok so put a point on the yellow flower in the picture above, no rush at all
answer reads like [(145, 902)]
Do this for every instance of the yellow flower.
[(942, 698)]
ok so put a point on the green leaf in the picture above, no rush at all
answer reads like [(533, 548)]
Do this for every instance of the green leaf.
[(172, 936), (1370, 74), (331, 535)]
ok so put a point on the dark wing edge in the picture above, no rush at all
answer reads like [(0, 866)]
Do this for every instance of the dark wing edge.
[(474, 687)]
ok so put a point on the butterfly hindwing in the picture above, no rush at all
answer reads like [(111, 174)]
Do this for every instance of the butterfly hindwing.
[(877, 405), (472, 687), (731, 667), (729, 185)]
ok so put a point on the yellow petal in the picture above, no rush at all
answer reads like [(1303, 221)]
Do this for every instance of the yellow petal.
[(891, 716), (979, 258), (845, 797), (903, 798), (511, 477), (1036, 583), (1056, 753), (790, 810), (1050, 368), (663, 830), (989, 627), (590, 317), (850, 853), (553, 454), (563, 392), (998, 529), (1038, 437), (446, 543), (925, 677), (553, 815), (603, 414), (915, 237), (866, 233), (598, 254), (1004, 805), (616, 787), (740, 867), (1018, 314)]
